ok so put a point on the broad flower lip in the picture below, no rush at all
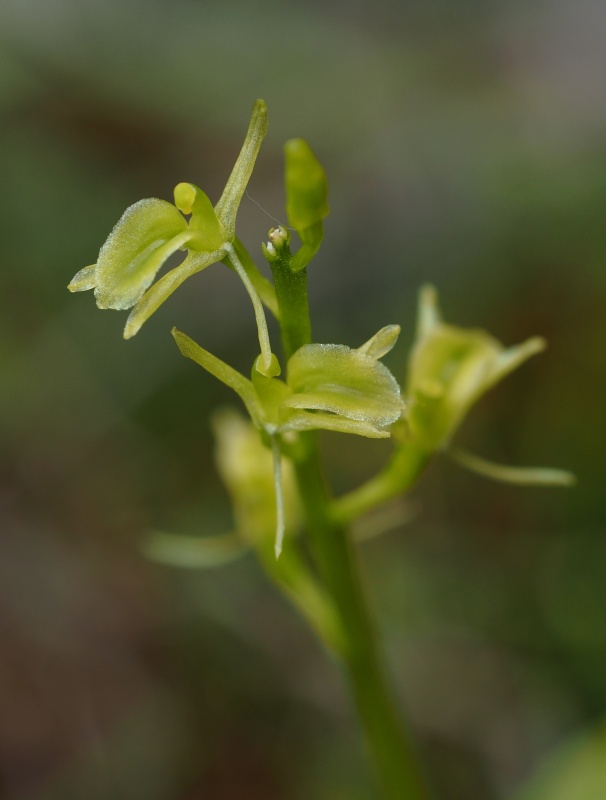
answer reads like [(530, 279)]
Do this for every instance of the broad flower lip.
[(450, 368), (348, 383), (152, 230)]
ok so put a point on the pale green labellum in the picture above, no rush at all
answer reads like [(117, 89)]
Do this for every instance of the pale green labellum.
[(146, 235), (345, 382)]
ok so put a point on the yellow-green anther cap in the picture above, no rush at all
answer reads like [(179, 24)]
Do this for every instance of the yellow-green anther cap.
[(207, 231), (306, 186), (450, 368)]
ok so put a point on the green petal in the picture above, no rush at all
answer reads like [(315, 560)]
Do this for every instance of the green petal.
[(146, 235), (222, 371), (84, 279), (162, 289), (310, 421), (227, 207), (382, 342), (194, 552), (428, 315), (522, 476), (510, 359), (334, 378)]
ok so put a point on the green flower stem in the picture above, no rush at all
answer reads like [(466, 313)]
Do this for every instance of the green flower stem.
[(387, 741), (291, 291), (264, 342), (291, 573), (264, 287), (398, 476)]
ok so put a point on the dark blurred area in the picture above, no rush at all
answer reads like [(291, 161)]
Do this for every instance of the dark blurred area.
[(465, 144)]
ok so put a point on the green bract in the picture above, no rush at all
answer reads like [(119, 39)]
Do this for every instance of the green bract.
[(449, 369), (150, 231), (306, 198)]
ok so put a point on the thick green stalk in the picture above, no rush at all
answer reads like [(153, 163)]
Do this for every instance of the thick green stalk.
[(291, 291), (387, 741), (399, 475)]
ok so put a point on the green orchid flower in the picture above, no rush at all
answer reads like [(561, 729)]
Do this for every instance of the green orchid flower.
[(152, 230), (328, 387), (450, 368)]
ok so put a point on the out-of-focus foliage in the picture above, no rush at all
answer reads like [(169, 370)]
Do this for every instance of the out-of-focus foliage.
[(579, 770), (465, 145)]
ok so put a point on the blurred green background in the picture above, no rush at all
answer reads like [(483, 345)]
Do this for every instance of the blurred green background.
[(465, 144)]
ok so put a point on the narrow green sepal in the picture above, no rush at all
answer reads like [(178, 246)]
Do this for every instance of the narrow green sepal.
[(222, 371), (193, 552), (521, 476), (227, 207)]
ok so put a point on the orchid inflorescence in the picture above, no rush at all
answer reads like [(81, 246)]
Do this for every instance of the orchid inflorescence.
[(325, 386)]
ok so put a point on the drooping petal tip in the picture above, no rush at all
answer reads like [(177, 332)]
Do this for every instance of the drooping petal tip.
[(521, 476), (83, 280)]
